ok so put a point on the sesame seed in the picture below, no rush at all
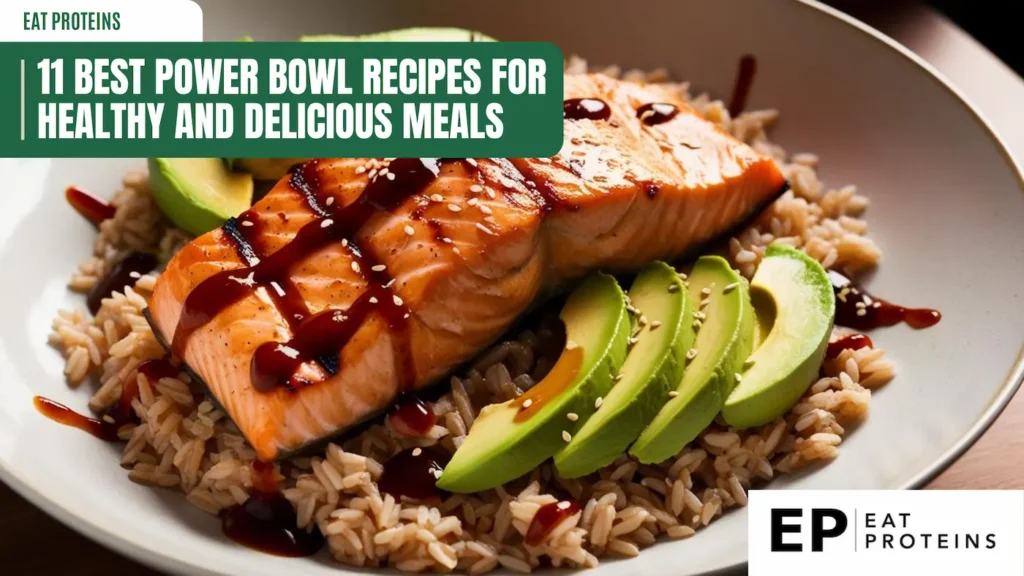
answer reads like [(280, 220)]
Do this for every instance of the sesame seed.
[(673, 394), (417, 451), (876, 305), (406, 315), (454, 208), (570, 345), (360, 169), (379, 268), (673, 287), (632, 309), (326, 223), (618, 377), (527, 403), (730, 287), (706, 292), (572, 416), (355, 266), (344, 242), (472, 202), (373, 174), (329, 201), (446, 240), (491, 194), (566, 436), (704, 303), (135, 275), (643, 320), (700, 316), (484, 229), (391, 175), (456, 250), (476, 188), (437, 197), (373, 299), (862, 312), (471, 162), (486, 210), (564, 505), (861, 305), (108, 419), (748, 363), (382, 172), (438, 473), (655, 324), (691, 354), (598, 402), (632, 340), (738, 376), (681, 275), (246, 223), (398, 301), (409, 230)]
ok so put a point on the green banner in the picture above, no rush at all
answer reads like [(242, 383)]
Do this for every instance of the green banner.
[(280, 99)]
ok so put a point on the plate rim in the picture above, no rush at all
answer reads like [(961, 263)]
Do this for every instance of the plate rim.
[(152, 555)]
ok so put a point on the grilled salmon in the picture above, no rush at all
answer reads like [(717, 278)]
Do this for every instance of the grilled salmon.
[(354, 280)]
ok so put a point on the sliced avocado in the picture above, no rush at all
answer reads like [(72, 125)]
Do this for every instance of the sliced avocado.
[(652, 369), (198, 194), (722, 344), (798, 310), (267, 168), (510, 439), (407, 35)]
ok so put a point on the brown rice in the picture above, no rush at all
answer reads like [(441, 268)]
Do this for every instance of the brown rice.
[(183, 442)]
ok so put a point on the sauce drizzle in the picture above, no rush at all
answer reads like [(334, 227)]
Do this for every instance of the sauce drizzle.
[(859, 310), (318, 337), (744, 81), (412, 417), (585, 109), (413, 473), (547, 518), (267, 520), (91, 208), (847, 342), (554, 384), (121, 275), (106, 431), (656, 113)]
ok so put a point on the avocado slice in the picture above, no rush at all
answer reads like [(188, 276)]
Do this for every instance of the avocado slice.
[(795, 302), (652, 369), (722, 344), (407, 35), (510, 439), (198, 194)]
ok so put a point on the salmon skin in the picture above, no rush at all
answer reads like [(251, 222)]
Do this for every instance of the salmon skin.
[(354, 279)]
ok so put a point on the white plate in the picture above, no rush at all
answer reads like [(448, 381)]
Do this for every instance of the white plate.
[(947, 207)]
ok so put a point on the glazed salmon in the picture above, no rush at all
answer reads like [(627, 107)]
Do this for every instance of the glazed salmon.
[(354, 280)]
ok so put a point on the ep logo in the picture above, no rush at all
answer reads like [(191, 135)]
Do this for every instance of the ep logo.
[(821, 523)]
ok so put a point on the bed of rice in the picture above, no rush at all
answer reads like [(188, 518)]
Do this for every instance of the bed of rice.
[(185, 443)]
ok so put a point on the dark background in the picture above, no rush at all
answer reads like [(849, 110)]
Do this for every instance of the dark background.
[(994, 23)]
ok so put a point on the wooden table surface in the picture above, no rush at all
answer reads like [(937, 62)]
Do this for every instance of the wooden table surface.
[(27, 535)]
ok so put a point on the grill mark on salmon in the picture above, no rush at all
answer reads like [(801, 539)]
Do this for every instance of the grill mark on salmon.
[(423, 285)]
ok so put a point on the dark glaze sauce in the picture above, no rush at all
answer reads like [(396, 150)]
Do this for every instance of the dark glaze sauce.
[(547, 518), (656, 113), (90, 207), (122, 274), (744, 81), (315, 337), (585, 109), (411, 417), (267, 521), (859, 310), (61, 414), (413, 473), (847, 342)]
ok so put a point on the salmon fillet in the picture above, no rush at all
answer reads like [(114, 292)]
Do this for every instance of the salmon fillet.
[(354, 280)]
